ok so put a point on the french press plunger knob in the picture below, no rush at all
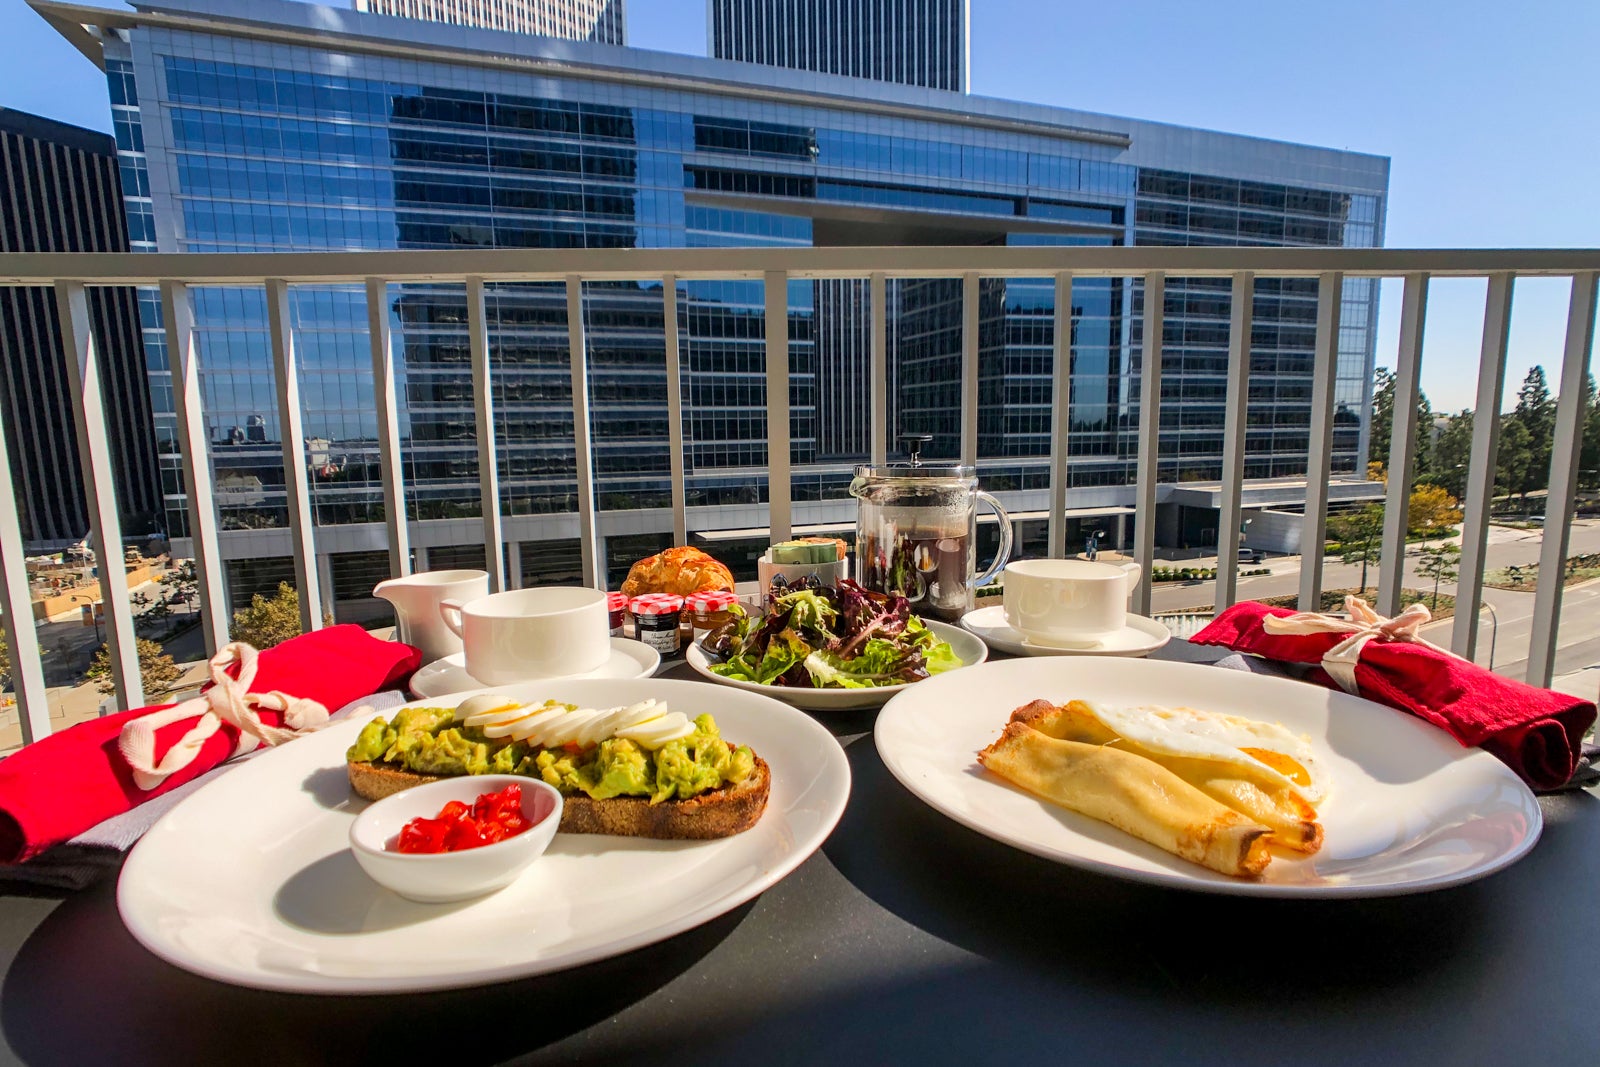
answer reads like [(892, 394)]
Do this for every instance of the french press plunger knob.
[(915, 442)]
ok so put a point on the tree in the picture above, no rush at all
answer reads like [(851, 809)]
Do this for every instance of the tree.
[(1431, 509), (1439, 562), (157, 670), (183, 585), (1381, 439), (1515, 457), (1537, 413), (1383, 390), (269, 622), (1360, 533), (1589, 457), (1452, 452)]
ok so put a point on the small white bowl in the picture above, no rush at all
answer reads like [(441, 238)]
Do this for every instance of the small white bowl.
[(438, 878)]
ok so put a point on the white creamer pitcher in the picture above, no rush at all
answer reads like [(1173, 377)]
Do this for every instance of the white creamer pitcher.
[(416, 599)]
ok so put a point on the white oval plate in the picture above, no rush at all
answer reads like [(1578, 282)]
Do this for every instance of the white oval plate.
[(251, 880), (1139, 636), (1408, 808), (968, 648), (629, 659)]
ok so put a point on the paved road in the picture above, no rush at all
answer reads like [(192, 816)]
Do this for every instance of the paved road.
[(69, 646), (1508, 641)]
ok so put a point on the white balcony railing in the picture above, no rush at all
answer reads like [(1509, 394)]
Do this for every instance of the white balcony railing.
[(70, 274)]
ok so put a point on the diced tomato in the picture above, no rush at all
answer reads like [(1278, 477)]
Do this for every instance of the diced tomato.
[(490, 818)]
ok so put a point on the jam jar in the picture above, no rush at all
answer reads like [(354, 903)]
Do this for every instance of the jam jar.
[(655, 620)]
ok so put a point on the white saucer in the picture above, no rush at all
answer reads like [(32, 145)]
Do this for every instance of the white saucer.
[(1139, 637), (629, 659)]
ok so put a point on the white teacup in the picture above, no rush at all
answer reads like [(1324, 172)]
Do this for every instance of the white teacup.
[(531, 633), (1068, 603)]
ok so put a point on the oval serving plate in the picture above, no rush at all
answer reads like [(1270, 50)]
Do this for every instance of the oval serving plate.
[(1408, 808), (251, 880), (968, 648)]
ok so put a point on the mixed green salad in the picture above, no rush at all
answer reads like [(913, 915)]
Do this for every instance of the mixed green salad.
[(831, 637)]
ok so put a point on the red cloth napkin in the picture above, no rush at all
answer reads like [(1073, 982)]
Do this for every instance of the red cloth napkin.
[(61, 785), (1537, 732)]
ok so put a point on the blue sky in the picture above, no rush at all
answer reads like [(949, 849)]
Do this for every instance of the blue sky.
[(1486, 109)]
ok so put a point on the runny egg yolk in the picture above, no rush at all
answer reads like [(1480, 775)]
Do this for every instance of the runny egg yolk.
[(1284, 765)]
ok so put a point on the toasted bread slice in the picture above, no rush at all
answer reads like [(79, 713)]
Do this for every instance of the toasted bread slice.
[(719, 813)]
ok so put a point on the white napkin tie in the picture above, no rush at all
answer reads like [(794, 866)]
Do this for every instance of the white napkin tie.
[(228, 700), (1363, 625)]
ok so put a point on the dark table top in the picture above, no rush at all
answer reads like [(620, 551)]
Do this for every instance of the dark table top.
[(909, 939)]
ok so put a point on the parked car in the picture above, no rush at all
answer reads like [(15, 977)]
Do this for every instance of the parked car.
[(1249, 555)]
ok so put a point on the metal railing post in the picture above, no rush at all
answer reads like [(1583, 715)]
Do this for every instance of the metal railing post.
[(578, 361), (779, 489), (385, 393), (1560, 499), (680, 494), (1319, 457), (1481, 467), (16, 610), (1402, 443), (291, 429), (488, 451), (1240, 324), (879, 373), (970, 312), (1060, 418), (1144, 516), (99, 484), (183, 355)]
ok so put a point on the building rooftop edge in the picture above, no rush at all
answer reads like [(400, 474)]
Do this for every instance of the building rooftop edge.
[(458, 44), (27, 124)]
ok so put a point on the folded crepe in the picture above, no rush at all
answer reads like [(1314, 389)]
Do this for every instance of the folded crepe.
[(1237, 784), (1133, 794)]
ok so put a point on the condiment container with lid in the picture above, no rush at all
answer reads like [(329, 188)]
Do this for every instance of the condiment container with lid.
[(655, 620), (709, 610), (616, 606)]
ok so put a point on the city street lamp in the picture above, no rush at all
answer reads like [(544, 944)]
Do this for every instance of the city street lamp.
[(94, 616)]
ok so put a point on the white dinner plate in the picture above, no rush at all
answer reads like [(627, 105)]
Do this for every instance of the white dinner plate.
[(251, 879), (1408, 809), (968, 649), (628, 659), (1139, 636)]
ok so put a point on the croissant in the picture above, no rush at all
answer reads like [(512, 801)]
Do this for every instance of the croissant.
[(681, 570)]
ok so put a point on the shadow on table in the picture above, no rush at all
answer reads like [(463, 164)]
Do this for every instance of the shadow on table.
[(1070, 925), (81, 990)]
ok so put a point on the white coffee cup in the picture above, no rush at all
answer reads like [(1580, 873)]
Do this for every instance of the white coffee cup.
[(525, 634), (1068, 603)]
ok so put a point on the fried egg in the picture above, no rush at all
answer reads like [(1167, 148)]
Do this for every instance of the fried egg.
[(1197, 734)]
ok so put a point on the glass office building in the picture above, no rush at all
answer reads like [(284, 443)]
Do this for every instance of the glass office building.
[(580, 20), (913, 42), (338, 130)]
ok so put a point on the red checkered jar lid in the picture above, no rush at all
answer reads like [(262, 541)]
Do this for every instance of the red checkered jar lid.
[(616, 601), (711, 600), (656, 604)]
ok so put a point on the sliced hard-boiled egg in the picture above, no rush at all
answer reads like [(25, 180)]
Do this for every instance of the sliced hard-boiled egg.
[(620, 719), (654, 733), (531, 728), (472, 710)]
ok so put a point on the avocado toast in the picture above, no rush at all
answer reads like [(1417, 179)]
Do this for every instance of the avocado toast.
[(635, 771)]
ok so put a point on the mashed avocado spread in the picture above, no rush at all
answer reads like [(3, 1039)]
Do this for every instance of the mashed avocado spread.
[(427, 741)]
